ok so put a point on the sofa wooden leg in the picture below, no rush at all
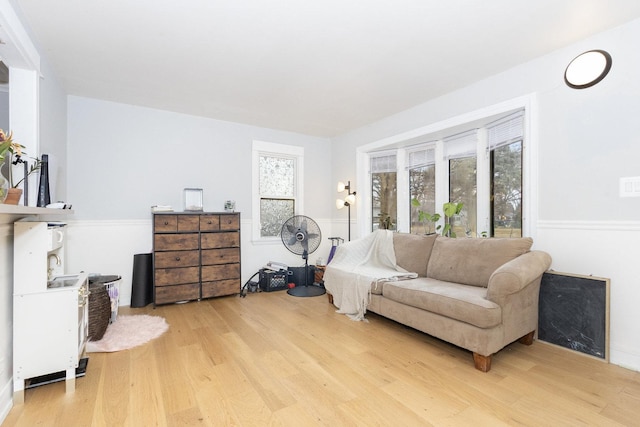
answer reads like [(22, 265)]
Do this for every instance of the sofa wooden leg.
[(527, 339), (482, 363), (330, 298)]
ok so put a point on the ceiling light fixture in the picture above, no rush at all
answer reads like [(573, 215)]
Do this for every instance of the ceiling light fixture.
[(587, 69)]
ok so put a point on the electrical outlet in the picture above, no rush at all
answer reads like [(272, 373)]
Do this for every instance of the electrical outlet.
[(630, 186)]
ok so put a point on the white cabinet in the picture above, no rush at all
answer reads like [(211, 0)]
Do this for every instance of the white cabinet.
[(50, 309)]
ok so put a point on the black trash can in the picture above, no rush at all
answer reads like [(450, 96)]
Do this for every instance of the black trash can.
[(142, 281)]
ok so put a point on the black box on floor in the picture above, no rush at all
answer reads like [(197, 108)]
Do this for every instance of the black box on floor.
[(273, 280), (296, 275)]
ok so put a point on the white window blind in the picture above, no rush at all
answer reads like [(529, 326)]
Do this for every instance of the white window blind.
[(506, 130), (420, 157), (461, 145), (381, 163)]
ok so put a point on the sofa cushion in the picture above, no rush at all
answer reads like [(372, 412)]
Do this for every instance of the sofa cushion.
[(461, 302), (472, 261), (413, 251)]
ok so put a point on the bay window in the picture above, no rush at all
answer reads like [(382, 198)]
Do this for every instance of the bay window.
[(481, 167)]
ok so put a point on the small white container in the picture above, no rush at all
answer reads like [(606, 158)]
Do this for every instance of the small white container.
[(193, 199)]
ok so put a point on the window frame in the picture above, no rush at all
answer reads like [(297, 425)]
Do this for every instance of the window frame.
[(260, 148)]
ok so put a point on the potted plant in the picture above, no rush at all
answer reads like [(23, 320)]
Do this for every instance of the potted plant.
[(450, 209), (428, 219), (9, 191), (385, 222)]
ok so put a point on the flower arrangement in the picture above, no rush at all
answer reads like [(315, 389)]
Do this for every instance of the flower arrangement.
[(14, 150)]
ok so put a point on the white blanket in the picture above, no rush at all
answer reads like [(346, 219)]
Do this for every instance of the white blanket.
[(358, 265)]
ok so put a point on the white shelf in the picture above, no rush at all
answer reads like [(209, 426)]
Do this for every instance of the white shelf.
[(11, 213)]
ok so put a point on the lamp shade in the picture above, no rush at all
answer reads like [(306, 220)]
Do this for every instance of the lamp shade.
[(341, 187), (351, 199), (587, 69), (339, 203)]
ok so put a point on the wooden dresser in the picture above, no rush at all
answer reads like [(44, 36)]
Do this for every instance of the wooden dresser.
[(195, 255)]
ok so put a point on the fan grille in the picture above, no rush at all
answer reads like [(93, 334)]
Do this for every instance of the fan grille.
[(301, 233)]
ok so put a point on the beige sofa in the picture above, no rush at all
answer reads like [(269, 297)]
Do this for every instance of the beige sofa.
[(479, 294)]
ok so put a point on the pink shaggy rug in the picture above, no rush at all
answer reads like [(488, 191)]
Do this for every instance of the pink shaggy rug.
[(128, 332)]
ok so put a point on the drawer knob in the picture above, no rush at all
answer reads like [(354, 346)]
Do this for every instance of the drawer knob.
[(209, 222), (166, 223), (177, 258)]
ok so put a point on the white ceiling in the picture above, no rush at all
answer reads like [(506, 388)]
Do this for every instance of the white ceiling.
[(315, 67)]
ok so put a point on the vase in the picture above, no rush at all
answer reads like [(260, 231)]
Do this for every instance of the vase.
[(4, 188), (44, 198), (13, 196)]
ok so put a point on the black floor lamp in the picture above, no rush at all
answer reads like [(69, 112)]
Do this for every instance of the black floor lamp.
[(348, 201)]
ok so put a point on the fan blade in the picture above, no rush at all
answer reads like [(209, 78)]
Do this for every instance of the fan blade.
[(303, 224), (290, 228), (311, 236), (305, 245), (292, 240)]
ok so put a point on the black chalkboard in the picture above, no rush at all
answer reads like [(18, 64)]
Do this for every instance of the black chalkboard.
[(574, 313)]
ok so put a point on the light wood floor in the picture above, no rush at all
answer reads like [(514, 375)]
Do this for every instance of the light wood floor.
[(274, 359)]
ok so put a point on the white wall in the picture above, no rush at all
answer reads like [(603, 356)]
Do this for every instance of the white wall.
[(53, 134), (123, 159), (587, 140)]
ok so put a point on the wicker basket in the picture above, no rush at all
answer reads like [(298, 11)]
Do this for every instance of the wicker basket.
[(99, 311)]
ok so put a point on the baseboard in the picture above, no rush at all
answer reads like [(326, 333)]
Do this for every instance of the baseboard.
[(625, 359)]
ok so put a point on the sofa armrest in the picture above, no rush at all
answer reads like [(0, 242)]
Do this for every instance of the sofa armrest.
[(516, 274)]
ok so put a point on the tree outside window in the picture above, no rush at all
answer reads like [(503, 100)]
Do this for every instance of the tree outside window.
[(422, 187), (384, 185), (463, 189), (506, 190)]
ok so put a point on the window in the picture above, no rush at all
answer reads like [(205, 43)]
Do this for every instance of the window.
[(505, 151), (463, 189), (422, 188), (460, 151), (384, 191), (277, 187), (277, 195)]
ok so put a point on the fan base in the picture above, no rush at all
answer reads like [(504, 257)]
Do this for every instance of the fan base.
[(306, 291)]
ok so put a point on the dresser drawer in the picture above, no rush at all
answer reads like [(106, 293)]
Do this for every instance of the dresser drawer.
[(220, 272), (230, 239), (169, 294), (220, 256), (165, 223), (175, 242), (230, 222), (209, 222), (188, 223), (173, 259), (220, 288), (176, 276)]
